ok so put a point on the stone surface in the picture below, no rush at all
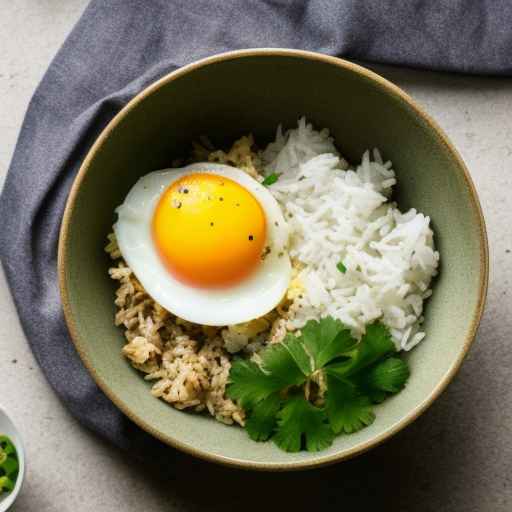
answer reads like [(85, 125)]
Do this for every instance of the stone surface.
[(456, 457)]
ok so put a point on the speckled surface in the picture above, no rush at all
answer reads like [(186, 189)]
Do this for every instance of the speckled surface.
[(456, 457)]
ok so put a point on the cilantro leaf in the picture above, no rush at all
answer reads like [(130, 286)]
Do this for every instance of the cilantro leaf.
[(277, 361), (357, 375), (299, 354), (347, 409), (262, 420), (249, 384), (270, 179), (389, 375), (341, 267), (374, 345), (376, 396), (300, 422), (325, 340)]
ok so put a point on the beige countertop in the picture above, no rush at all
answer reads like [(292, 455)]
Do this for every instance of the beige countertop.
[(456, 457)]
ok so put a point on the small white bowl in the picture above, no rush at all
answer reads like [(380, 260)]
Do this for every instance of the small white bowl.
[(8, 428)]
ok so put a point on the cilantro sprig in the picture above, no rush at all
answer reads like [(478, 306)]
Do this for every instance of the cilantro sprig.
[(283, 397), (9, 465)]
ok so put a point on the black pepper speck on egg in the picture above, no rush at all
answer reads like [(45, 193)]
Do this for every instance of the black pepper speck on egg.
[(265, 252), (251, 237)]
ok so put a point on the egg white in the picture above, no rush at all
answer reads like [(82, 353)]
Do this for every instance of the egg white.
[(253, 297)]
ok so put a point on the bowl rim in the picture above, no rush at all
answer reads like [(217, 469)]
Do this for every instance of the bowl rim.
[(318, 459)]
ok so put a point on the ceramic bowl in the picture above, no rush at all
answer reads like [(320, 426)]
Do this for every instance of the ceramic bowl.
[(8, 428), (224, 97)]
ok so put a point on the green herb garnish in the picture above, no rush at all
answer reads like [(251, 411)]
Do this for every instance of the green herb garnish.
[(9, 465), (309, 388), (270, 179), (341, 267)]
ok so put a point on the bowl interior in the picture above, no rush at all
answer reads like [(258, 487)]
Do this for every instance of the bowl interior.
[(254, 92)]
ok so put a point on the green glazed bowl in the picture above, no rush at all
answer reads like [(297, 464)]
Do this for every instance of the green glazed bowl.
[(224, 97)]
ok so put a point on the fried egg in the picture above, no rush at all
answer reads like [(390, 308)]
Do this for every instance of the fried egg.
[(207, 242)]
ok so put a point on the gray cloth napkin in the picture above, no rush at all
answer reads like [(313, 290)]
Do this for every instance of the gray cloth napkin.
[(120, 46)]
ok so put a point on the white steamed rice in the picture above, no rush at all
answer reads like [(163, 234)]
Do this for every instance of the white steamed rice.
[(342, 214)]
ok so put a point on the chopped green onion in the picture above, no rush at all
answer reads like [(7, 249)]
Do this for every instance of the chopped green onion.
[(6, 484), (9, 465), (270, 179), (341, 267), (6, 445)]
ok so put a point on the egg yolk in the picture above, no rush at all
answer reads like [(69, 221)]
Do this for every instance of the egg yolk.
[(209, 230)]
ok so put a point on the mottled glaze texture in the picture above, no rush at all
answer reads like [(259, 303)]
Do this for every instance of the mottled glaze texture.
[(253, 91)]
